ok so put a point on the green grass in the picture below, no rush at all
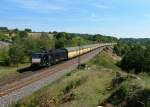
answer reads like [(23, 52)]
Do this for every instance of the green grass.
[(82, 88), (3, 37), (135, 89), (89, 87), (105, 60), (7, 72)]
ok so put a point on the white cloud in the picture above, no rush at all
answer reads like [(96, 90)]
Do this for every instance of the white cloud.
[(101, 6), (96, 18), (38, 5)]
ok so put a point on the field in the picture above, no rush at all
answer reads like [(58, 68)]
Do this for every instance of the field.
[(38, 35)]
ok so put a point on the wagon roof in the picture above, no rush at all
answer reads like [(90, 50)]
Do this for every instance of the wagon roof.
[(82, 47)]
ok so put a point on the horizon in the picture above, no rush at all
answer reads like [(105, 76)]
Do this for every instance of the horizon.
[(121, 19), (33, 31)]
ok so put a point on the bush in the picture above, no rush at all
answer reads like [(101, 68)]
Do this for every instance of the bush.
[(4, 57), (4, 38), (133, 60), (119, 95)]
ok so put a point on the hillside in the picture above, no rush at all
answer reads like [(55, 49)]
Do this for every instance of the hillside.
[(97, 84), (82, 88)]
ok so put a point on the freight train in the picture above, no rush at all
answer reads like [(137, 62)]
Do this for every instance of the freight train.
[(51, 57)]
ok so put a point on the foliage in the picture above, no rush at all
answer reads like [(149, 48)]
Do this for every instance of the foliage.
[(4, 37), (119, 95), (137, 59), (105, 60), (138, 41), (17, 53), (28, 30), (15, 30), (4, 57), (64, 39), (130, 96), (3, 29), (121, 48), (133, 59), (61, 39), (23, 46), (135, 54), (146, 63), (103, 38)]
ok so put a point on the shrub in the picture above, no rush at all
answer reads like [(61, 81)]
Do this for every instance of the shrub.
[(4, 57)]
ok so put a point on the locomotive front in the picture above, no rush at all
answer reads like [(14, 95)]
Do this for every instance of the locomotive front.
[(36, 58), (40, 59)]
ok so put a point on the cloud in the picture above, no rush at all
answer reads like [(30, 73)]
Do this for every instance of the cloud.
[(101, 6), (38, 5), (96, 18)]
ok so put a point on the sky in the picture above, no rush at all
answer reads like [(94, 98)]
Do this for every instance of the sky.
[(120, 18)]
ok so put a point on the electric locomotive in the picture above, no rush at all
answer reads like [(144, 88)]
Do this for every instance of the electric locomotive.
[(49, 57)]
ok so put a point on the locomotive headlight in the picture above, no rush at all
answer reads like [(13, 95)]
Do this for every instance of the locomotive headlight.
[(36, 60)]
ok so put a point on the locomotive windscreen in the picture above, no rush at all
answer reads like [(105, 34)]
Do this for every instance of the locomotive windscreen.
[(36, 58)]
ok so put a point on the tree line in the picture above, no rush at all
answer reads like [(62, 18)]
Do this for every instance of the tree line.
[(23, 46), (135, 55)]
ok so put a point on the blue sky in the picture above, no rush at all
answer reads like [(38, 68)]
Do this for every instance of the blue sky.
[(120, 18)]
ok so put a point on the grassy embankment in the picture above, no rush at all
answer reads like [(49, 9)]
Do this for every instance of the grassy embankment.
[(92, 87), (82, 88), (134, 92), (10, 72)]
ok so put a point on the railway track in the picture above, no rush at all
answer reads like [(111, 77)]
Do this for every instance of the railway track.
[(23, 81), (14, 86)]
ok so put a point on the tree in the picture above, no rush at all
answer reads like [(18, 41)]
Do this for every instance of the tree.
[(17, 53), (133, 60), (55, 32), (4, 57), (146, 64), (118, 50), (59, 44), (3, 29), (15, 30), (23, 34), (121, 48), (62, 35), (4, 37), (61, 39), (28, 30)]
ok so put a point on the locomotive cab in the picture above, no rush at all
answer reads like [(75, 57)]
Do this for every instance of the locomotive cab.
[(41, 59), (36, 58)]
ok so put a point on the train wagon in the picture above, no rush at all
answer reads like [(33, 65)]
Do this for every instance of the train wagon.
[(76, 51), (54, 56)]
